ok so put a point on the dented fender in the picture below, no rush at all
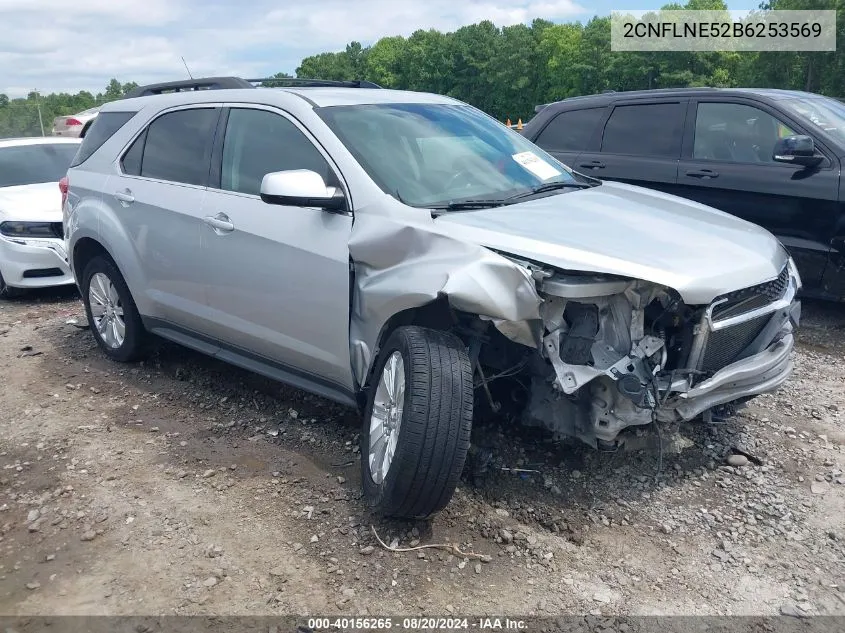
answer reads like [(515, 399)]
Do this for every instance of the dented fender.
[(400, 265)]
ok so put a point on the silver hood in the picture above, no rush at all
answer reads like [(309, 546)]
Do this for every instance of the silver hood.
[(632, 231)]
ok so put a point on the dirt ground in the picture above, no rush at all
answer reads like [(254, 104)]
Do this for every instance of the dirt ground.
[(184, 486)]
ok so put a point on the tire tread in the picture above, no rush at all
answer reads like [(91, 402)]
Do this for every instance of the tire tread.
[(435, 433)]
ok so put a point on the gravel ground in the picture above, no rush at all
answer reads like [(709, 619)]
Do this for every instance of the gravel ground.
[(185, 486)]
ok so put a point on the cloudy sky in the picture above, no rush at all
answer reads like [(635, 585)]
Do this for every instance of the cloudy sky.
[(71, 45)]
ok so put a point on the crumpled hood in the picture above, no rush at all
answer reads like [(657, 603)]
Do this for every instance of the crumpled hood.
[(632, 231), (41, 202)]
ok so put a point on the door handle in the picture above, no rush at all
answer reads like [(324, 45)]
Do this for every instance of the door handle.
[(702, 173), (593, 164), (220, 223), (125, 197)]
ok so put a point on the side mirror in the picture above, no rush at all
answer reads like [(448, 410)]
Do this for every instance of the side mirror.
[(301, 188), (798, 150)]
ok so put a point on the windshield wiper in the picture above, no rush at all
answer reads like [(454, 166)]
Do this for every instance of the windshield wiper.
[(465, 205), (552, 186)]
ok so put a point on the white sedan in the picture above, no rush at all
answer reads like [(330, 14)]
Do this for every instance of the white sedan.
[(32, 251), (73, 125)]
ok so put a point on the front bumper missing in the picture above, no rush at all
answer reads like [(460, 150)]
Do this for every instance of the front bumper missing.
[(761, 373), (754, 374), (597, 402)]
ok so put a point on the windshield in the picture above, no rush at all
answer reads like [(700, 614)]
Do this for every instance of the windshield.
[(827, 114), (31, 164), (429, 155)]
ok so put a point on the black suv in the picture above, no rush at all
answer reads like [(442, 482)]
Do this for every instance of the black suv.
[(772, 157)]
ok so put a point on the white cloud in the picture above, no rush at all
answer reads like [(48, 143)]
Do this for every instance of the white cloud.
[(55, 45)]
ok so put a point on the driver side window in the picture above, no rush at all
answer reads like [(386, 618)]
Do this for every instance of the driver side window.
[(736, 133), (258, 142)]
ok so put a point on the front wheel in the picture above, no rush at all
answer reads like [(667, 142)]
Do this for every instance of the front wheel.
[(417, 423)]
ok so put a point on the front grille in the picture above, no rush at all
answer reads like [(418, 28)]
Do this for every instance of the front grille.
[(724, 346), (58, 229), (747, 299)]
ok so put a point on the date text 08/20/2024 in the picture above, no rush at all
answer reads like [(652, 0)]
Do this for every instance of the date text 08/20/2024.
[(413, 624)]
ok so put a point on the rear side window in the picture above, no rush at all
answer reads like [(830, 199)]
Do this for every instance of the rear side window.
[(131, 161), (653, 129), (178, 146), (570, 131), (101, 130)]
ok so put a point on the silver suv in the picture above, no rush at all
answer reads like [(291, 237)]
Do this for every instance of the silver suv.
[(407, 254)]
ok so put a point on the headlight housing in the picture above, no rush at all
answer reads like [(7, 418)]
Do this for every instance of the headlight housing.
[(23, 230)]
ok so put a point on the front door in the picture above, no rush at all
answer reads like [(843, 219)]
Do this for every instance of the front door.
[(728, 165), (278, 278)]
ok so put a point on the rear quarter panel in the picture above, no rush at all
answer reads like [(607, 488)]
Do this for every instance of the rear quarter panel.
[(91, 210)]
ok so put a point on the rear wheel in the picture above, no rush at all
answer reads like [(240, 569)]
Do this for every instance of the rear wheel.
[(417, 423), (111, 311)]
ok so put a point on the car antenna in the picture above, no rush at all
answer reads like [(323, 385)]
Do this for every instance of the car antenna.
[(186, 67)]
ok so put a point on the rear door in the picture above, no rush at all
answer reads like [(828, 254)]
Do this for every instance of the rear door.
[(640, 144), (571, 132), (727, 164), (159, 196)]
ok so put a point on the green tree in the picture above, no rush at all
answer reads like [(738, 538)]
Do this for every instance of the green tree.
[(114, 90), (384, 62), (507, 71)]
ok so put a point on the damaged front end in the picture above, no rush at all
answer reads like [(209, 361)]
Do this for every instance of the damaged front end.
[(581, 354), (617, 353)]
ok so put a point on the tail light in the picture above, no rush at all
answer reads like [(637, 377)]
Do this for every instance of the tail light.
[(72, 121), (63, 187)]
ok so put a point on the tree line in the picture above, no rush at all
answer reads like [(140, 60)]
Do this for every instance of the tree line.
[(507, 71), (27, 115)]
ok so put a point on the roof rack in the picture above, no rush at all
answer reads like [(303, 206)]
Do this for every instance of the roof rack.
[(204, 83), (310, 83), (233, 83)]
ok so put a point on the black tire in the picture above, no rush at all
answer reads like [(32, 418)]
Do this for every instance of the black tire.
[(434, 432), (7, 292), (134, 342)]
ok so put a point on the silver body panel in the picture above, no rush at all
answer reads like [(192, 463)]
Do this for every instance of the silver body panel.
[(274, 292)]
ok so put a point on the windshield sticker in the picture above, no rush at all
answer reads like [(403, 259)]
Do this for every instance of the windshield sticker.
[(536, 165)]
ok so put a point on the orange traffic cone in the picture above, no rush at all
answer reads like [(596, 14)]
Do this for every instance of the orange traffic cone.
[(508, 122), (519, 124)]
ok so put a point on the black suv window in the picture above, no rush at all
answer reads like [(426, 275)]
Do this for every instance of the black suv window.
[(736, 133), (258, 142), (570, 131), (653, 129), (101, 130), (178, 146)]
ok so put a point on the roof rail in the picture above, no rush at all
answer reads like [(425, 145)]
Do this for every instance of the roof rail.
[(232, 83), (203, 83), (299, 81)]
